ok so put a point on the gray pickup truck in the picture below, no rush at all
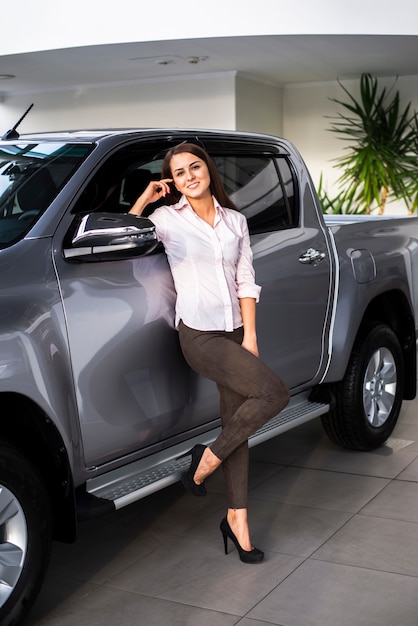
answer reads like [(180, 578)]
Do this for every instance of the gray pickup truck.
[(97, 403)]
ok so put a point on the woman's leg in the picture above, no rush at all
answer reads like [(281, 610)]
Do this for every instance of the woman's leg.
[(235, 470), (234, 466), (250, 394)]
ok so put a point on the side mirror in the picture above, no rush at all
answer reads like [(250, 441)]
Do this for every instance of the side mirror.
[(110, 237)]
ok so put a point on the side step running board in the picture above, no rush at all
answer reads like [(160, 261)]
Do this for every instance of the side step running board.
[(142, 478)]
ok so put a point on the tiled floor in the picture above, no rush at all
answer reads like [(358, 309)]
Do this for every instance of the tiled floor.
[(340, 531)]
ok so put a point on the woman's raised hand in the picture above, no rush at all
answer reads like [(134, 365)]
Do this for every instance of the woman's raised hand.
[(155, 190)]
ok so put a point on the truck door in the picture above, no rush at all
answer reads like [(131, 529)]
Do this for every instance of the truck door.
[(292, 259)]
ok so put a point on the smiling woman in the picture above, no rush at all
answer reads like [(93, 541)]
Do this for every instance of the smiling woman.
[(207, 244)]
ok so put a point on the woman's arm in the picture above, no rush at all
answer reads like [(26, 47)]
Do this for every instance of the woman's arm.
[(244, 271), (155, 190), (249, 342)]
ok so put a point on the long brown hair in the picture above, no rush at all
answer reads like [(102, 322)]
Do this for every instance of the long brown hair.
[(216, 186)]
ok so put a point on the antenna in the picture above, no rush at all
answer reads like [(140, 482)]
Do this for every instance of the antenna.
[(12, 133)]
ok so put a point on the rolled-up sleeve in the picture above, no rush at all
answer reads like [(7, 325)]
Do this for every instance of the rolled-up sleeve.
[(245, 275)]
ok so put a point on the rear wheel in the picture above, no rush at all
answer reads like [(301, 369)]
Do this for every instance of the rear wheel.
[(369, 398), (25, 535)]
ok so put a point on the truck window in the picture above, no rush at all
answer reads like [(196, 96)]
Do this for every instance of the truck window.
[(262, 187), (31, 175), (119, 182)]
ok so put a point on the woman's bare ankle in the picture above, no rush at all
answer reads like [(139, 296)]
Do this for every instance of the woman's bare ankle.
[(208, 464), (238, 521)]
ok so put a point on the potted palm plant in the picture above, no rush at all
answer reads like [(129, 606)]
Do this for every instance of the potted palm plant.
[(381, 158)]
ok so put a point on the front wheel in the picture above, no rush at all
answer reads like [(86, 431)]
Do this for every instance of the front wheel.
[(369, 398), (25, 535)]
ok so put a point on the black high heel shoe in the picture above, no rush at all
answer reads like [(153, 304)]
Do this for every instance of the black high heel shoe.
[(246, 556), (187, 479)]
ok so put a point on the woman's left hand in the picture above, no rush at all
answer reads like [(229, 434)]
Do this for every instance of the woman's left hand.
[(251, 346)]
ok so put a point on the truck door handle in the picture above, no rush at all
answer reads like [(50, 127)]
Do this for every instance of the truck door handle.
[(312, 257)]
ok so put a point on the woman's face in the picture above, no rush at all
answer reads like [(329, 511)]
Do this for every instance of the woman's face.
[(190, 175)]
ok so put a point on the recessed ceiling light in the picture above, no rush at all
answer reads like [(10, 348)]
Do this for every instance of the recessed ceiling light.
[(194, 60), (6, 76)]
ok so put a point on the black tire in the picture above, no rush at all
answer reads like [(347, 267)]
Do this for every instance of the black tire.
[(369, 398), (25, 535)]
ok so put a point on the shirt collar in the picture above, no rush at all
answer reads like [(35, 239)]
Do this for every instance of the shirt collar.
[(184, 203)]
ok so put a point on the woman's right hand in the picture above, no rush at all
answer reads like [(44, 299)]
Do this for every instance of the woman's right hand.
[(155, 190)]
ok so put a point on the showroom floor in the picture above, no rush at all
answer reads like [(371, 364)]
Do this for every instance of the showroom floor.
[(339, 528)]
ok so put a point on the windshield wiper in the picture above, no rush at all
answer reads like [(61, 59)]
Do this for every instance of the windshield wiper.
[(12, 133)]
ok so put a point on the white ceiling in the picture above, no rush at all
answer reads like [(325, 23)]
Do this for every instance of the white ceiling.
[(278, 59)]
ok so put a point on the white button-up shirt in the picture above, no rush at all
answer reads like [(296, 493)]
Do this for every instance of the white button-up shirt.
[(211, 267)]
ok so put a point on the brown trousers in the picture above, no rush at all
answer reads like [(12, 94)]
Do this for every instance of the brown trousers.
[(250, 394)]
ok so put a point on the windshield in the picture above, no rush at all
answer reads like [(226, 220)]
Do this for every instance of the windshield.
[(31, 175)]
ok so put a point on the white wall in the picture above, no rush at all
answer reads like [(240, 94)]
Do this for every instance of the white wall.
[(207, 102), (305, 108), (259, 106), (224, 101)]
